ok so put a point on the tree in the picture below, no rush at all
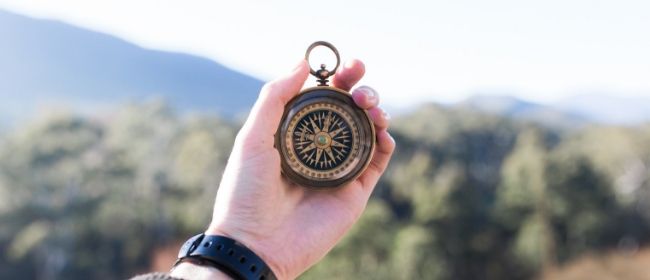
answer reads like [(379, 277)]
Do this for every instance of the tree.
[(523, 203)]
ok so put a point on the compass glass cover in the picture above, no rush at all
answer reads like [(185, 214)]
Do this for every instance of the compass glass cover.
[(323, 139)]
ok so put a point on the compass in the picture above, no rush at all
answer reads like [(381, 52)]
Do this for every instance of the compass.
[(324, 138)]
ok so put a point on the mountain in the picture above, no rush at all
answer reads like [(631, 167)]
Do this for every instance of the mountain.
[(45, 62), (522, 110), (608, 108), (499, 104), (571, 112)]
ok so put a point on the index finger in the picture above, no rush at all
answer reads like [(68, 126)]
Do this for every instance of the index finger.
[(351, 72)]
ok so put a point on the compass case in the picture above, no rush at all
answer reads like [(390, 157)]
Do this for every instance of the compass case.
[(325, 140)]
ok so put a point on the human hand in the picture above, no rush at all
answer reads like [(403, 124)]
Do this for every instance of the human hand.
[(292, 227)]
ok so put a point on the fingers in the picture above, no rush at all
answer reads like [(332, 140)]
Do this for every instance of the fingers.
[(368, 99), (285, 88), (379, 117), (266, 114), (351, 72), (383, 152), (365, 97)]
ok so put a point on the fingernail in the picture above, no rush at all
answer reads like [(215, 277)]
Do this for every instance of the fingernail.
[(386, 115), (370, 93), (348, 64)]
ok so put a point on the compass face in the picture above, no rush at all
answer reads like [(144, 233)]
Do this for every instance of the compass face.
[(324, 139)]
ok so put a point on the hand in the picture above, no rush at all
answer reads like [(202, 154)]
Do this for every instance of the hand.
[(289, 226)]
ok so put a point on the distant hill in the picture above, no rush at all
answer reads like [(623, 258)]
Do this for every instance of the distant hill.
[(499, 104), (44, 61), (571, 112), (608, 108), (522, 110)]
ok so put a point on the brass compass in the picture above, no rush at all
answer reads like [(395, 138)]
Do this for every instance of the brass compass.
[(324, 138)]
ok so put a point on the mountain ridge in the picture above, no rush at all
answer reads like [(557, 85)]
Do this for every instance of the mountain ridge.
[(46, 63), (43, 60), (572, 112)]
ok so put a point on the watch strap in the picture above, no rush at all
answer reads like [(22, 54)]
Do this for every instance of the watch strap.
[(228, 255)]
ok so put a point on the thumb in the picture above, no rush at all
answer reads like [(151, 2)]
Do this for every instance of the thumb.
[(266, 114)]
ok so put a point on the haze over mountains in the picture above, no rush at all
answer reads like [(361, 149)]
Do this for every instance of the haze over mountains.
[(569, 112), (44, 62)]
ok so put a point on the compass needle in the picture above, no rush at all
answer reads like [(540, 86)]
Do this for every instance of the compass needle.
[(303, 143), (336, 132), (308, 148), (328, 120), (313, 125), (305, 127), (337, 144), (328, 150)]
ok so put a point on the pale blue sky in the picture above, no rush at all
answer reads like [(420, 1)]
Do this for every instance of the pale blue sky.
[(415, 51)]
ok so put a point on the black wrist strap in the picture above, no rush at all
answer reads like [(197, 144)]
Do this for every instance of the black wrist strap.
[(227, 255)]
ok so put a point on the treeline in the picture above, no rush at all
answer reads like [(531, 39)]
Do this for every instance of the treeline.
[(467, 195)]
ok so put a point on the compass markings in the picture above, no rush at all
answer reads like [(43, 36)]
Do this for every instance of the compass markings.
[(328, 120), (322, 139), (309, 148), (338, 144)]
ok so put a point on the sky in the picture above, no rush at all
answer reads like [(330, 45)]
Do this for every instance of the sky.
[(414, 51)]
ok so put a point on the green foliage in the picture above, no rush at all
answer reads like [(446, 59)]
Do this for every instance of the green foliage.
[(466, 196), (91, 199)]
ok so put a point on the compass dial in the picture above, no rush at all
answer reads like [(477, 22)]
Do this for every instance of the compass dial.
[(324, 141)]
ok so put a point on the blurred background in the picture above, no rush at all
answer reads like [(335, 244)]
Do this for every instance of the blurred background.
[(522, 129)]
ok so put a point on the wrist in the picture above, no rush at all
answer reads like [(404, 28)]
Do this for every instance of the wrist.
[(190, 270), (252, 243), (226, 254)]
